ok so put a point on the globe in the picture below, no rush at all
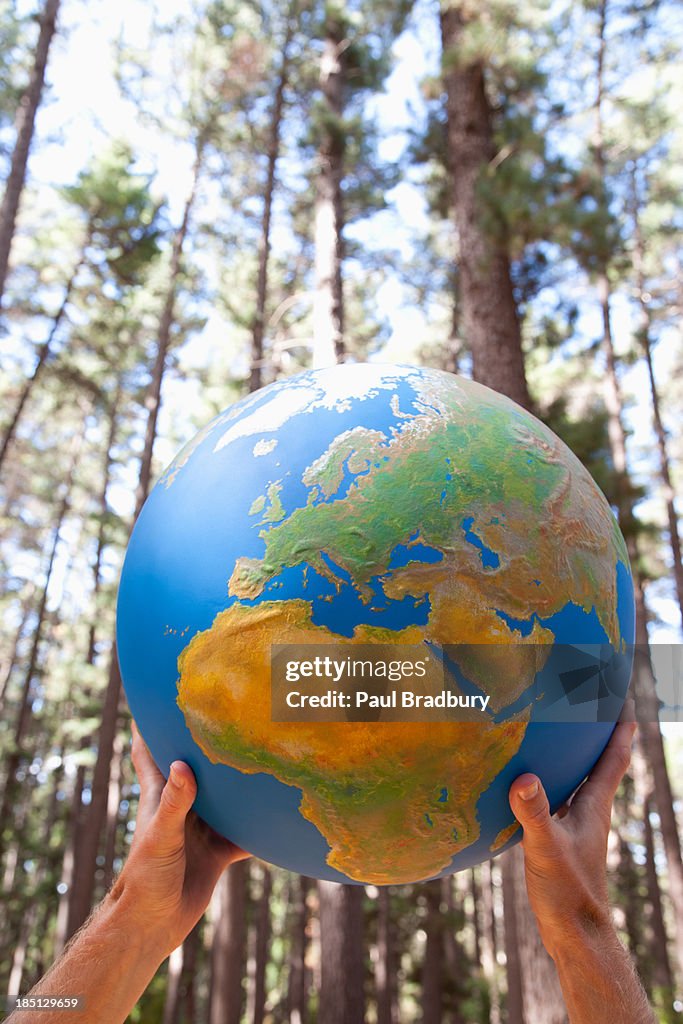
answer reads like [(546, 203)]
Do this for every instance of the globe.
[(388, 505)]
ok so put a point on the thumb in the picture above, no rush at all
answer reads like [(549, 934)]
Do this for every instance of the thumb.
[(177, 797), (530, 807)]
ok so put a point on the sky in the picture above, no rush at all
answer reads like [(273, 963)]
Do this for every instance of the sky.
[(85, 108)]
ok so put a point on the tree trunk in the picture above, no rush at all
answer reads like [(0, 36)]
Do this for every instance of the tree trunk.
[(488, 942), (341, 953), (13, 656), (328, 302), (297, 998), (273, 152), (653, 745), (385, 968), (24, 713), (228, 950), (432, 978), (113, 804), (515, 992), (261, 948), (86, 853), (662, 975), (44, 352), (180, 980), (660, 432), (489, 313), (25, 123)]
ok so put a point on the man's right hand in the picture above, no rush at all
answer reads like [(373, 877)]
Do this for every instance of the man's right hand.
[(565, 866)]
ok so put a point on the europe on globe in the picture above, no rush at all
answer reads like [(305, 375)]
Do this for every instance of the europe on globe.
[(388, 507)]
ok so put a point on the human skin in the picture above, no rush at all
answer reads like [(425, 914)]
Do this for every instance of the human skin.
[(176, 861), (566, 880)]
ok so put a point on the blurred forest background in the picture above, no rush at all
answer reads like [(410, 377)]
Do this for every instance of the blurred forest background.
[(201, 197)]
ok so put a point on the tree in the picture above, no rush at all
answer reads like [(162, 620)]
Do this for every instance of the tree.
[(342, 999), (490, 319), (25, 124)]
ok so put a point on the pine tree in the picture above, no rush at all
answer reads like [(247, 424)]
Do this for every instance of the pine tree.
[(25, 123)]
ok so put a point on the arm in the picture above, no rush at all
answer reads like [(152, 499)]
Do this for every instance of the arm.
[(564, 859), (162, 891)]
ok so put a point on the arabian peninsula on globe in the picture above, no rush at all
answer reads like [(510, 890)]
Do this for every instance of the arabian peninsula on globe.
[(375, 504)]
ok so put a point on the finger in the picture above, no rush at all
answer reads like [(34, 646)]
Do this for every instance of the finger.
[(530, 806), (168, 824), (628, 712), (148, 774), (562, 811), (603, 781)]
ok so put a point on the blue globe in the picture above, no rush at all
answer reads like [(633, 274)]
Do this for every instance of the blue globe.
[(394, 506)]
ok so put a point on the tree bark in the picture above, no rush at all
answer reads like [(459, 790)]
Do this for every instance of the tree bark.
[(432, 978), (297, 1000), (25, 123), (644, 335), (385, 968), (490, 319), (328, 301), (228, 950), (515, 991), (13, 656), (44, 352), (273, 152), (488, 943), (342, 954), (24, 713), (261, 948)]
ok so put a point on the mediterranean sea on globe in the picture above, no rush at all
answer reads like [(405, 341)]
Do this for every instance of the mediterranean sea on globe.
[(360, 504)]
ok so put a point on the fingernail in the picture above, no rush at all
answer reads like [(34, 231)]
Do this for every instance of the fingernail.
[(529, 791), (175, 776)]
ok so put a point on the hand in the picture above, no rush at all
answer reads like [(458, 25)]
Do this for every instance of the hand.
[(175, 859), (565, 857)]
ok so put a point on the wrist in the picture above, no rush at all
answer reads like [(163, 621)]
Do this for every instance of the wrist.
[(147, 935), (579, 933)]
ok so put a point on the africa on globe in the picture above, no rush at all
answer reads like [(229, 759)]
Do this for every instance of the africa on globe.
[(398, 510)]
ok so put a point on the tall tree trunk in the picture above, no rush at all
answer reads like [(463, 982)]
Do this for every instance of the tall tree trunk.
[(515, 991), (328, 301), (489, 313), (488, 942), (113, 804), (273, 152), (86, 853), (24, 713), (297, 992), (13, 655), (76, 816), (662, 974), (653, 745), (44, 352), (180, 980), (228, 950), (644, 335), (25, 122), (385, 968), (341, 954), (541, 993), (432, 977), (261, 948)]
